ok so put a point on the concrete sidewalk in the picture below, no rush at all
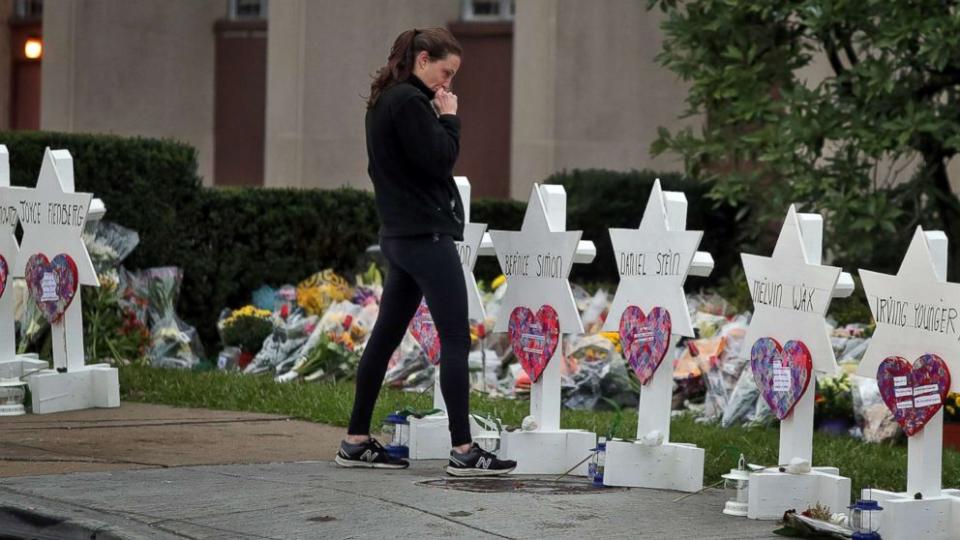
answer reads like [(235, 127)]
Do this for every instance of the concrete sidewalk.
[(147, 471)]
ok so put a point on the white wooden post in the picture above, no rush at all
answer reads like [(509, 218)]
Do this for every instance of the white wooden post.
[(547, 449), (652, 461), (41, 211), (925, 449), (924, 510), (795, 268)]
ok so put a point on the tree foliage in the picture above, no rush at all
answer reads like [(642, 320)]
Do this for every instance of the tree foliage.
[(846, 107)]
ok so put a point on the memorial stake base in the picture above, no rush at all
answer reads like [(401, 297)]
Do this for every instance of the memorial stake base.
[(772, 492), (673, 466), (95, 385), (930, 518), (548, 452)]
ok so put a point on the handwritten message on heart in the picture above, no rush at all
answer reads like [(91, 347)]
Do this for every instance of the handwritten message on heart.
[(645, 339), (51, 284), (534, 337), (782, 373), (425, 333), (914, 394)]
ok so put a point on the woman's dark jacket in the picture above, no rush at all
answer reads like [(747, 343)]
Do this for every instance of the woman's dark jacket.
[(411, 154)]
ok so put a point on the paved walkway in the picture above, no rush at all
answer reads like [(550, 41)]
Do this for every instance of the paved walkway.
[(148, 471)]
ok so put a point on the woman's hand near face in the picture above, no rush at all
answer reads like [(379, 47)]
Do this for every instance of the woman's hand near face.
[(445, 102)]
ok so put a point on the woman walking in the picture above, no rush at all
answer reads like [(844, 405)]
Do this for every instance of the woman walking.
[(413, 139)]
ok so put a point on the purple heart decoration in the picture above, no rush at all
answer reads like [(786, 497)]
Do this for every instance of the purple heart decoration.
[(425, 333), (645, 339), (534, 337), (51, 284), (782, 374), (4, 274), (914, 394)]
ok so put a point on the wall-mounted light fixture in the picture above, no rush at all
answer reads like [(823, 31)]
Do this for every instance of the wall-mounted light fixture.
[(33, 48)]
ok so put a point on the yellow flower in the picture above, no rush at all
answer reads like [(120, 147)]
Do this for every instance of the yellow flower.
[(614, 337), (247, 311), (501, 279), (318, 291)]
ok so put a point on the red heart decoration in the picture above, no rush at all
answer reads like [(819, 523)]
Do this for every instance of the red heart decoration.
[(534, 337), (52, 285), (914, 394), (645, 339), (425, 333), (782, 373)]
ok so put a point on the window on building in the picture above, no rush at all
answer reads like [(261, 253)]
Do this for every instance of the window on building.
[(247, 9), (28, 9), (488, 10)]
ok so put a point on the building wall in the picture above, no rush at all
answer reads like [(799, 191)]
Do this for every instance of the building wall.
[(137, 67), (320, 56), (586, 89), (6, 69)]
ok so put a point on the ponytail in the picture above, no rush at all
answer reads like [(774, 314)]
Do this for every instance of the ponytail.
[(438, 42)]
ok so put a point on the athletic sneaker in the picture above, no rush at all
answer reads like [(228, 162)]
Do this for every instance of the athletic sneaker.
[(369, 455), (478, 462)]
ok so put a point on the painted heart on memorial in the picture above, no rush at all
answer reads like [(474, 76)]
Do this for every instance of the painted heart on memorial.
[(534, 337), (4, 274), (51, 284), (914, 394), (645, 339), (782, 373), (425, 333)]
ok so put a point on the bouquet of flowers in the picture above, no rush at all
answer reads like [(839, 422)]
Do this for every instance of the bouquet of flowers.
[(246, 328), (834, 400), (151, 295), (318, 291), (328, 360)]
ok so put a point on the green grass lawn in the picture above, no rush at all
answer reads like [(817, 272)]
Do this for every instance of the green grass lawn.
[(878, 465)]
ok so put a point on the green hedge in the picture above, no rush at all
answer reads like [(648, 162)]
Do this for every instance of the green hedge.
[(148, 185), (231, 241)]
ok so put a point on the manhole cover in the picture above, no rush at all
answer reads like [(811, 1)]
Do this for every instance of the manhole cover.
[(519, 485)]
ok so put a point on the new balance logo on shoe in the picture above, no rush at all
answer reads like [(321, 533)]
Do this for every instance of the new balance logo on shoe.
[(369, 455), (478, 462)]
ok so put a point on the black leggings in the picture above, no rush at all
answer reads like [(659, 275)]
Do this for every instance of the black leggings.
[(422, 266)]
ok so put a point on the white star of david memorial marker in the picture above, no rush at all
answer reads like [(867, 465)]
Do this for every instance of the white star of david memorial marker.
[(536, 262), (791, 292), (653, 262), (917, 312), (53, 218)]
